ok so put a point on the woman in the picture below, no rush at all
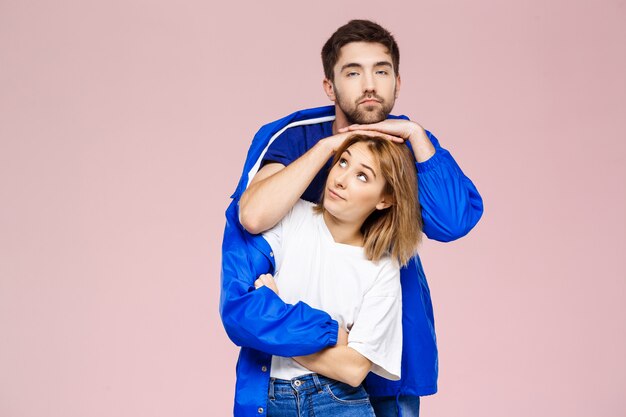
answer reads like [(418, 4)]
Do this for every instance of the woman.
[(343, 256)]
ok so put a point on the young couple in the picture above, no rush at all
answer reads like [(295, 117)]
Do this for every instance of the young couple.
[(339, 305)]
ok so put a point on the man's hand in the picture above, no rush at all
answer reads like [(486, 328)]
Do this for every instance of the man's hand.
[(399, 128), (335, 141), (266, 280)]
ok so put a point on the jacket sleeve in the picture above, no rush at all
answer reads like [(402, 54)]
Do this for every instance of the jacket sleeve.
[(451, 204), (259, 319)]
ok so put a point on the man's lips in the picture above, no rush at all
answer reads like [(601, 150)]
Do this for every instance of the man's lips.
[(369, 101), (334, 194)]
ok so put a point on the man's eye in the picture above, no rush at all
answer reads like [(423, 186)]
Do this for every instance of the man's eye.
[(382, 72), (352, 74), (362, 177)]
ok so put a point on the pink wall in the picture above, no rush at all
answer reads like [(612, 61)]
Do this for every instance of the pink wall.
[(124, 126)]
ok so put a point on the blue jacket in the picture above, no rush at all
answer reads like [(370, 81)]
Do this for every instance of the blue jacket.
[(263, 325)]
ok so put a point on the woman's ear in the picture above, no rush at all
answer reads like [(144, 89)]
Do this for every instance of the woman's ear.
[(385, 202), (329, 89)]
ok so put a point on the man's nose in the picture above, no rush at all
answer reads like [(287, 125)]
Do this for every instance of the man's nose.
[(368, 83)]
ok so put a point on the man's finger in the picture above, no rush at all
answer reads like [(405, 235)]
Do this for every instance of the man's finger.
[(380, 127), (376, 133), (372, 126), (392, 138)]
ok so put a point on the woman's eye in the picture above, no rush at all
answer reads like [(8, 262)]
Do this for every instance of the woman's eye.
[(362, 177), (343, 162)]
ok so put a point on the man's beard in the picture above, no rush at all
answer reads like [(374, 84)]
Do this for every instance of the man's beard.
[(364, 114)]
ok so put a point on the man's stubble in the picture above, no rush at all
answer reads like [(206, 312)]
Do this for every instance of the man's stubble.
[(368, 114)]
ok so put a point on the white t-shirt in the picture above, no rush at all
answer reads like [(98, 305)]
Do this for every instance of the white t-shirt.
[(363, 296)]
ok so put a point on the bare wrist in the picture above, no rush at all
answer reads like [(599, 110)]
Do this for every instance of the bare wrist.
[(328, 145), (422, 146), (417, 133)]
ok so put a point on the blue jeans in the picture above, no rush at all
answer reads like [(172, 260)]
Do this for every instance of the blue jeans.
[(314, 395), (387, 406)]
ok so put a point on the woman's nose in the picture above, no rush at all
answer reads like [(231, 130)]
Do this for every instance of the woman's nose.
[(339, 181)]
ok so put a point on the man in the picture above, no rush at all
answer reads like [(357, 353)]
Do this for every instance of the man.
[(361, 67)]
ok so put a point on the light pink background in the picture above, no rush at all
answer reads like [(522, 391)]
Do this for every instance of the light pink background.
[(124, 126)]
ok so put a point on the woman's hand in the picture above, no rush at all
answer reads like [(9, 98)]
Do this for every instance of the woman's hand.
[(268, 281)]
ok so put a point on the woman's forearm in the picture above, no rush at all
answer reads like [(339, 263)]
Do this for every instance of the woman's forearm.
[(338, 362)]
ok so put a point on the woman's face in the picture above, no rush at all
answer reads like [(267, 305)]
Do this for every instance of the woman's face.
[(354, 188)]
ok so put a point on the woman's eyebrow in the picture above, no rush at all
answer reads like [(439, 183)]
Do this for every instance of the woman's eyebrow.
[(362, 164), (367, 167)]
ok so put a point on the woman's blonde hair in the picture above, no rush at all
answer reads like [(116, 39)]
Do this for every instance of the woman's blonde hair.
[(397, 230)]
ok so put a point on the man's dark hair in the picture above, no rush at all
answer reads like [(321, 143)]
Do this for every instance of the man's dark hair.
[(358, 31)]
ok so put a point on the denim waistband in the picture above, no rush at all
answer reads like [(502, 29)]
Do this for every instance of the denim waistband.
[(304, 383)]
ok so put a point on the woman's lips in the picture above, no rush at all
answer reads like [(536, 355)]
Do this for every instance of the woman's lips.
[(335, 195)]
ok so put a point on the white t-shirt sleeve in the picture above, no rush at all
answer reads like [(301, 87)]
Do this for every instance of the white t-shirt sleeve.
[(279, 235), (377, 330)]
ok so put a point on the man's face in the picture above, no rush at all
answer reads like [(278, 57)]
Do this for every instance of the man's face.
[(365, 85)]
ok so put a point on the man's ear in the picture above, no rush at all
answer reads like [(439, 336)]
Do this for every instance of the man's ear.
[(398, 82), (329, 89)]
